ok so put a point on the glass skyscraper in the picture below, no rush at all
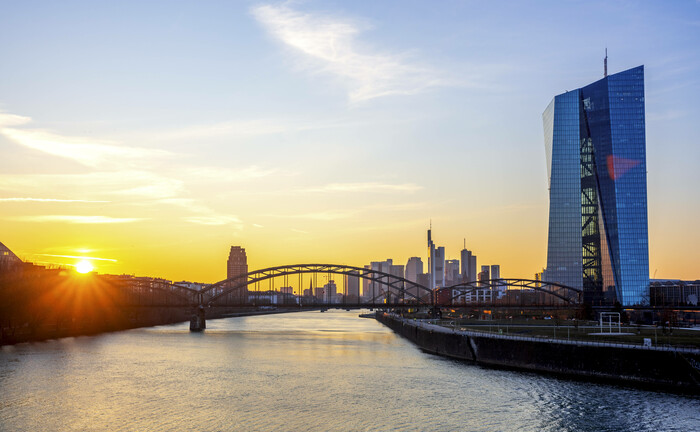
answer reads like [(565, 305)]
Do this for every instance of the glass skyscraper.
[(596, 160)]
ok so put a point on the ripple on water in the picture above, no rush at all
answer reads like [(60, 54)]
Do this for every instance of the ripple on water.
[(301, 372)]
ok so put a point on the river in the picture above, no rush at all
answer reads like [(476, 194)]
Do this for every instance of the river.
[(307, 371)]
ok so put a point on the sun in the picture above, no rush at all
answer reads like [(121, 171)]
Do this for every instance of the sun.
[(84, 266)]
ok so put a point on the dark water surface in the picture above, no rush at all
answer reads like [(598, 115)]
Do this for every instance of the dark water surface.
[(297, 372)]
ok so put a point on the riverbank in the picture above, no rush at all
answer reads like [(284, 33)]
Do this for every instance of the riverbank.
[(123, 319), (656, 367)]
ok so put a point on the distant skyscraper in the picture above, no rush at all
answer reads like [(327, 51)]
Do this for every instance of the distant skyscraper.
[(465, 258), (396, 270), (596, 161), (431, 260), (330, 289), (414, 267), (440, 266), (472, 268), (451, 272), (486, 271), (366, 286), (237, 265), (377, 289), (353, 288), (495, 272)]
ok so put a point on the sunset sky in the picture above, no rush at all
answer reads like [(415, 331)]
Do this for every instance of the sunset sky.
[(152, 136)]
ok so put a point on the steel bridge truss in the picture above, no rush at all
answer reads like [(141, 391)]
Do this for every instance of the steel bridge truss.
[(567, 294), (398, 290), (413, 292)]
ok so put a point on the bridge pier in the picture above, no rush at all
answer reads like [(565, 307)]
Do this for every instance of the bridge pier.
[(198, 321)]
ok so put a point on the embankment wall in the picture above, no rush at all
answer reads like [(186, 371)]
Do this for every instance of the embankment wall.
[(655, 366)]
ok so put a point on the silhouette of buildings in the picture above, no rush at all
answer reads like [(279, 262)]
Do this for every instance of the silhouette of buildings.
[(8, 260), (237, 265)]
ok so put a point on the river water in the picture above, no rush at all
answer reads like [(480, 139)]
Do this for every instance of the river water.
[(307, 371)]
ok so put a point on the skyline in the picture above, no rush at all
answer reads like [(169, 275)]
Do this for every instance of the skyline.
[(154, 137)]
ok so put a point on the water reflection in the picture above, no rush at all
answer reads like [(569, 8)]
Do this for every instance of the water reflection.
[(302, 371)]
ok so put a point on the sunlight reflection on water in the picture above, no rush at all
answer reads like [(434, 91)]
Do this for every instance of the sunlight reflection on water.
[(301, 371)]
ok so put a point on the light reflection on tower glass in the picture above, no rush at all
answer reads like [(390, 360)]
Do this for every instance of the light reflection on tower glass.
[(596, 159)]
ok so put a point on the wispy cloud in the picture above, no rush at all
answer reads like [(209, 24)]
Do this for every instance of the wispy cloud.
[(328, 215), (73, 219), (78, 257), (212, 220), (366, 187), (7, 119), (330, 45), (242, 128), (86, 151), (95, 186), (50, 200)]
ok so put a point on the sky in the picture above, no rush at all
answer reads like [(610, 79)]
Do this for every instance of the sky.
[(152, 136)]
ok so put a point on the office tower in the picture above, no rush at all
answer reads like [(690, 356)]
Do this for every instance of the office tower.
[(414, 267), (330, 289), (495, 272), (440, 266), (398, 271), (377, 290), (483, 274), (366, 293), (486, 271), (451, 272), (472, 268), (353, 288), (596, 161), (237, 265), (465, 258), (431, 260)]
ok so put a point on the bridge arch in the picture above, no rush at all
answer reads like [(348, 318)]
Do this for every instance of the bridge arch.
[(562, 292), (157, 291), (397, 284)]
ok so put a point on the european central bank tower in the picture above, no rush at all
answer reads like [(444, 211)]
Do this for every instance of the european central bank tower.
[(596, 161)]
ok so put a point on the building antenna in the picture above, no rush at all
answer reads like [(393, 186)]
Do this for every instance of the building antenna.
[(465, 243), (605, 63)]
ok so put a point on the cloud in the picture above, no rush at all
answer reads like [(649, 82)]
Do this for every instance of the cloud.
[(86, 151), (96, 185), (50, 200), (78, 257), (366, 187), (244, 128), (212, 220), (77, 219), (329, 215), (7, 119), (330, 45)]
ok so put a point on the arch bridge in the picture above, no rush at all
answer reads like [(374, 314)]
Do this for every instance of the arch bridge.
[(391, 291), (512, 292)]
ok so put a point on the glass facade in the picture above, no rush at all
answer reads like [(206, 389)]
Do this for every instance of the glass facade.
[(596, 160)]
